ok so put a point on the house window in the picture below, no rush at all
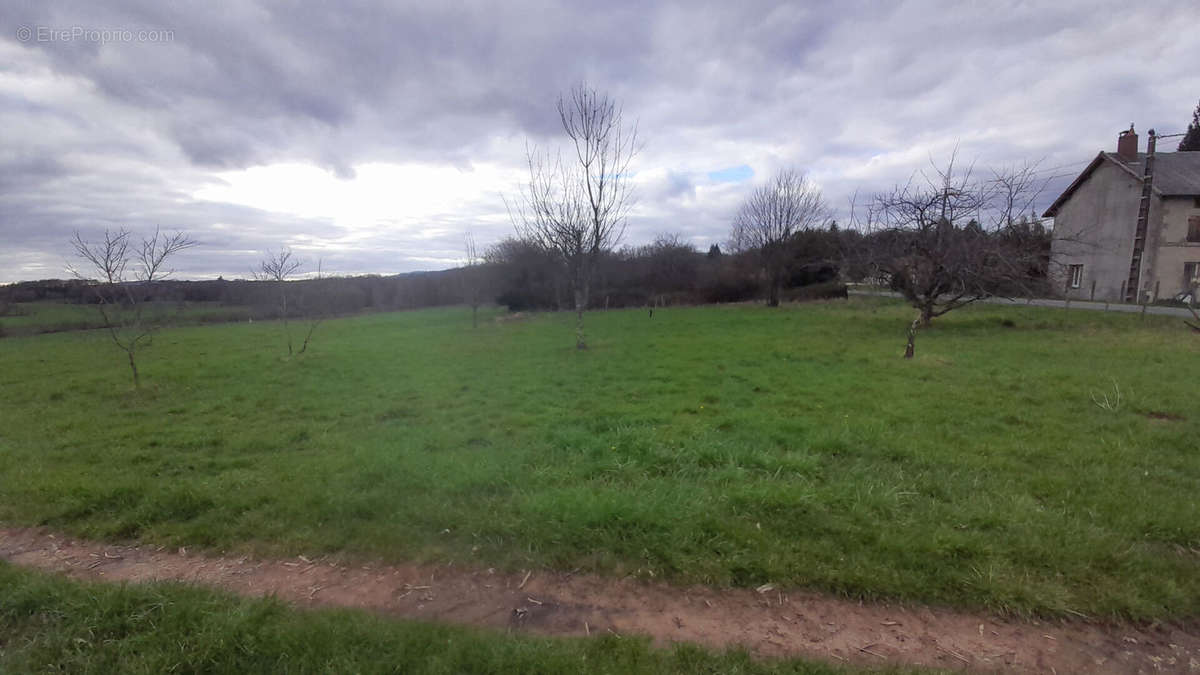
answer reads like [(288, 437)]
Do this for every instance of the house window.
[(1076, 275), (1193, 228), (1191, 275)]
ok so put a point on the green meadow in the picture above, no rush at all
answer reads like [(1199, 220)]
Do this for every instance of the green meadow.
[(726, 445)]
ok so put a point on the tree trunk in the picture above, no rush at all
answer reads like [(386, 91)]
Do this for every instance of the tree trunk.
[(926, 316), (283, 306), (909, 349), (580, 341), (311, 327), (137, 383), (773, 293), (474, 316)]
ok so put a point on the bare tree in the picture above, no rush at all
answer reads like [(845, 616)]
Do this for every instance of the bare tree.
[(947, 239), (121, 274), (280, 268), (577, 208), (769, 219), (472, 277)]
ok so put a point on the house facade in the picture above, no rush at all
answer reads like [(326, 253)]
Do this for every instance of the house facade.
[(1098, 252)]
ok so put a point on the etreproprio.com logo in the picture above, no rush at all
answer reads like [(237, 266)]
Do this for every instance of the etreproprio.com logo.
[(95, 35)]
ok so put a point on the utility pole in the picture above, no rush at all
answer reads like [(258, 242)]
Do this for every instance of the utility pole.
[(1133, 287)]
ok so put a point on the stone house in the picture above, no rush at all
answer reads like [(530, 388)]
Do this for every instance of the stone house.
[(1106, 248)]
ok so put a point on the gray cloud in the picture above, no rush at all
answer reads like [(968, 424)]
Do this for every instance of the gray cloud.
[(860, 94)]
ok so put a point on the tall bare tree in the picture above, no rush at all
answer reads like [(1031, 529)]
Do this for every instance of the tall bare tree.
[(121, 274), (472, 277), (577, 207), (947, 239), (769, 220)]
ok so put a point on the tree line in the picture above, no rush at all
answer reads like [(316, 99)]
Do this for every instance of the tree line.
[(338, 294)]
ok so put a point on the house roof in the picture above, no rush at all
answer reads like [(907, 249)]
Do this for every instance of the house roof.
[(1176, 174)]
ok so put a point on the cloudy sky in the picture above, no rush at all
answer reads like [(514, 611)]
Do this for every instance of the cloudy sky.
[(375, 134)]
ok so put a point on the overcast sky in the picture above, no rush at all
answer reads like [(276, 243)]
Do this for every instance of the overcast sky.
[(374, 134)]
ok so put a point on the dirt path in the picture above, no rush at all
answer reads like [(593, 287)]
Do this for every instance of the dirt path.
[(770, 623)]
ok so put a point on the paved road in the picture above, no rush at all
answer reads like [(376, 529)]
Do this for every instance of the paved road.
[(1075, 304)]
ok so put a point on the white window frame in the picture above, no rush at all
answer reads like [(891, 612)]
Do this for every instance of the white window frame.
[(1076, 272)]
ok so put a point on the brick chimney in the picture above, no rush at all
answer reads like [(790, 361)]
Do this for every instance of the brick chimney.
[(1127, 144)]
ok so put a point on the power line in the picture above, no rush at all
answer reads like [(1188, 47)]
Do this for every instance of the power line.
[(1063, 166)]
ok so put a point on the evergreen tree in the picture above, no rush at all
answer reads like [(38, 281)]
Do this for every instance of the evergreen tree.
[(1191, 139)]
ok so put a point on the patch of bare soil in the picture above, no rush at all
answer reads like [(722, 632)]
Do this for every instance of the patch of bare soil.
[(767, 621)]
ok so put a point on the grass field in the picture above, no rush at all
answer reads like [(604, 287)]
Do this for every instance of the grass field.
[(34, 318), (49, 624), (722, 445)]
